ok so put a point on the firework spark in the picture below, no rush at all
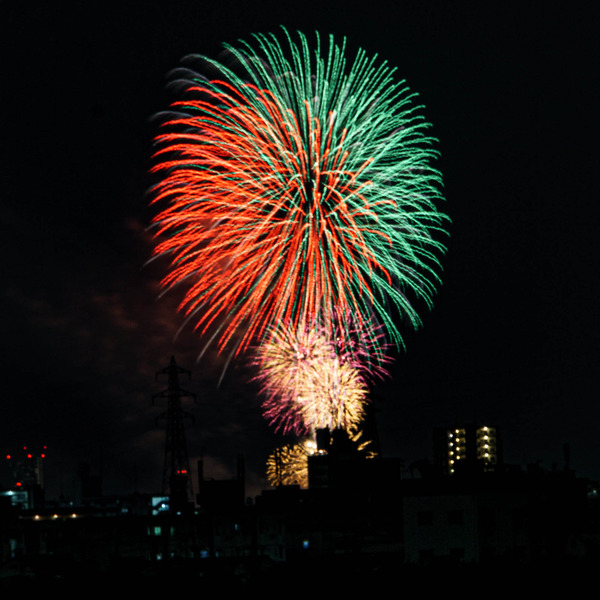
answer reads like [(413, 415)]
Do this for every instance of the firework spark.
[(294, 185)]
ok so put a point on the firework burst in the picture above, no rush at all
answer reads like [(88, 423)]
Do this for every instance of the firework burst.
[(296, 185), (311, 382), (288, 465)]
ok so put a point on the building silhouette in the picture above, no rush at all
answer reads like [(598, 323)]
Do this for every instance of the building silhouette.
[(360, 516)]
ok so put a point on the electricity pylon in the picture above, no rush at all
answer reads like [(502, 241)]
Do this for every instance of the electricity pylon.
[(177, 482)]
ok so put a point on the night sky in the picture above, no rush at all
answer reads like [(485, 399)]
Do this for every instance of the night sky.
[(513, 339)]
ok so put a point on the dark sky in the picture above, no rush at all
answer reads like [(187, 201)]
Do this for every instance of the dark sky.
[(513, 340)]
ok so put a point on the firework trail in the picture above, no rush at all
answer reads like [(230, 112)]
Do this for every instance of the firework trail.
[(359, 342), (295, 185)]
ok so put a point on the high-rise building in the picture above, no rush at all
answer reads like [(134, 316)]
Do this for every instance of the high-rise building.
[(25, 474), (467, 447)]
